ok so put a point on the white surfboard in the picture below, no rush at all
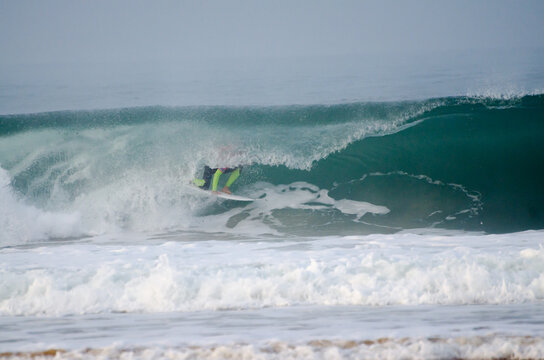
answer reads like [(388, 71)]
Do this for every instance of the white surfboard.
[(232, 197), (222, 195)]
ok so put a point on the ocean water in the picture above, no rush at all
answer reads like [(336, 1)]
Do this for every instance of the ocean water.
[(399, 210)]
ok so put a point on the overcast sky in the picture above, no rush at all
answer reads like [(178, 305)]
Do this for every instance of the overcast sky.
[(37, 31)]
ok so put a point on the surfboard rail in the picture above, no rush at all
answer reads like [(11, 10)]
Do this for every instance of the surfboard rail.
[(222, 195)]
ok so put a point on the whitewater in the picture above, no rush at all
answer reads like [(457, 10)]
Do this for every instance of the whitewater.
[(402, 222)]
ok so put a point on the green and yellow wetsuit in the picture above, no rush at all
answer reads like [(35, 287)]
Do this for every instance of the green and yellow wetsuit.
[(217, 172)]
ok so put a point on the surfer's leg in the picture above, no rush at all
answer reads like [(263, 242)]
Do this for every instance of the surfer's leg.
[(233, 177)]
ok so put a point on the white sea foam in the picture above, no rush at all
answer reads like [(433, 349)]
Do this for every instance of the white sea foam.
[(302, 195), (277, 205), (511, 93), (403, 269)]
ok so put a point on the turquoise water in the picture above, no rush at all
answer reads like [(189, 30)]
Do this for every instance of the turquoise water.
[(459, 163)]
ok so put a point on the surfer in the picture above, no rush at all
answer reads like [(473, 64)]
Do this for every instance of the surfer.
[(216, 173)]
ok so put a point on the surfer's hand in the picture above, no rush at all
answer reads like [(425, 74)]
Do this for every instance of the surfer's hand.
[(226, 190)]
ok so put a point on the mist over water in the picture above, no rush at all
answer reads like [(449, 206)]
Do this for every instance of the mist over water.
[(242, 81)]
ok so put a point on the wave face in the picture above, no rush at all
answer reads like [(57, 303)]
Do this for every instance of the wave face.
[(464, 163)]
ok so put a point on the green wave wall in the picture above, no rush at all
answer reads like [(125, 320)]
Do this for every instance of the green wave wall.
[(455, 163)]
